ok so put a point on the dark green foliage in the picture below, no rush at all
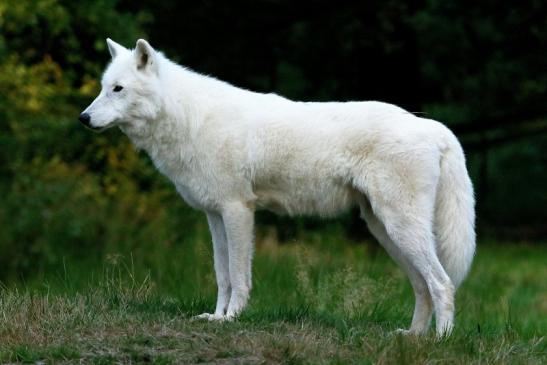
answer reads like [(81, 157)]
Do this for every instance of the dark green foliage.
[(66, 193)]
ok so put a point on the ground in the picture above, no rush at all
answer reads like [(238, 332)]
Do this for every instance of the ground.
[(313, 302)]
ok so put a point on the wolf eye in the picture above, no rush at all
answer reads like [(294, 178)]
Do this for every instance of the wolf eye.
[(118, 88)]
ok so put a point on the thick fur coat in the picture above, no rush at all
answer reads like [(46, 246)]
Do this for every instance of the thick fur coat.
[(231, 151)]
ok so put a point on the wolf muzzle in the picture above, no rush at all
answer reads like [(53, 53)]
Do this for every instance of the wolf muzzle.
[(85, 119)]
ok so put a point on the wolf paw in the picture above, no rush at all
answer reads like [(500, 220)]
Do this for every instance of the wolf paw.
[(212, 317), (404, 332)]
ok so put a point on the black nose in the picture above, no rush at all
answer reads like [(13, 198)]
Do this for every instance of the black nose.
[(85, 118)]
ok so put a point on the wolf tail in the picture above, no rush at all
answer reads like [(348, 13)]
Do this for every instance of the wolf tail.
[(455, 214)]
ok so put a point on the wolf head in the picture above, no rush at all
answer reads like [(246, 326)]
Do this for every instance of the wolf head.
[(131, 94)]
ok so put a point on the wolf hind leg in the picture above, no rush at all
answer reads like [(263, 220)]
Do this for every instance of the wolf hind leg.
[(423, 308), (408, 221)]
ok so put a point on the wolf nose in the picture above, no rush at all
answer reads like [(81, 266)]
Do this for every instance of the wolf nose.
[(85, 118)]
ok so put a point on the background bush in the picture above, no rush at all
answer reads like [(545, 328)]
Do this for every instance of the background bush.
[(68, 193)]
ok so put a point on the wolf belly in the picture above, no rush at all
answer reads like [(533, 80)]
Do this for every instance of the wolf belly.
[(326, 198)]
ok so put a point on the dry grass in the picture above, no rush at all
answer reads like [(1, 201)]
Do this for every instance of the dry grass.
[(310, 305)]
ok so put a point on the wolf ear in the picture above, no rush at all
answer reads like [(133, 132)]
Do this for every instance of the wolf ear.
[(145, 56), (114, 48)]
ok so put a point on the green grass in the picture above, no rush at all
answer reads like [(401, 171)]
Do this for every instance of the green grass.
[(312, 302)]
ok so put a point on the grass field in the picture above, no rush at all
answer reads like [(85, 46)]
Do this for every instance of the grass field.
[(312, 302)]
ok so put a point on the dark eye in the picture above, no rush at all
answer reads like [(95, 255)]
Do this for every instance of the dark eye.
[(118, 88)]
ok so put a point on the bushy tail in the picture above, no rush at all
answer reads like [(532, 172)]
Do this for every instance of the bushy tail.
[(455, 214)]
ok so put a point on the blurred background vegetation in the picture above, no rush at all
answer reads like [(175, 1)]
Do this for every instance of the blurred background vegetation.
[(68, 194)]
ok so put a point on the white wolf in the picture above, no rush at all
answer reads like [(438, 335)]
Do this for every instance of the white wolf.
[(231, 151)]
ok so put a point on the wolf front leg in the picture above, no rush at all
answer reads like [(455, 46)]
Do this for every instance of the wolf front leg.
[(239, 221), (220, 248)]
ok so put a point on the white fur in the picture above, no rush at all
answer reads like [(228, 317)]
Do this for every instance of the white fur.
[(231, 151)]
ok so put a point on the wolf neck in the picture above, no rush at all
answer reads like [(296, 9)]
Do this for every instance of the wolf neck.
[(187, 99)]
